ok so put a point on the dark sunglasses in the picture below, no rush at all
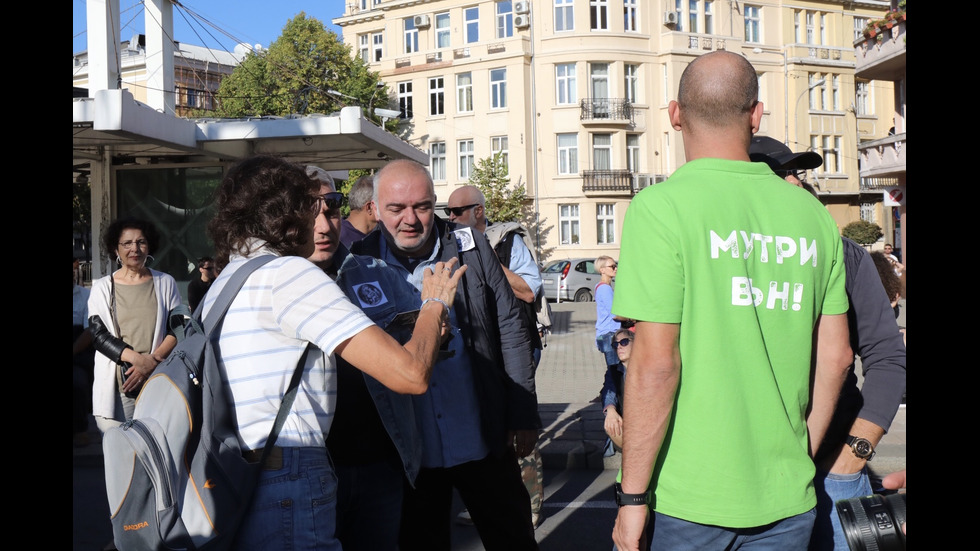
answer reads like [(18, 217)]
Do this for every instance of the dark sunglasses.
[(798, 174), (458, 211), (332, 201), (623, 342)]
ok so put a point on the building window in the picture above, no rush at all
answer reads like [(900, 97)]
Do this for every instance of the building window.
[(411, 36), (692, 14), (364, 47), (498, 148), (629, 14), (679, 10), (605, 223), (666, 83), (472, 17), (798, 25), (569, 224), (602, 151), (830, 148), (498, 88), (564, 15), (599, 14), (405, 100), (437, 96), (752, 24), (505, 19), (631, 76), (567, 153), (565, 84), (465, 148), (859, 24), (823, 28), (835, 92), (816, 86), (442, 30), (709, 17), (464, 92), (862, 98), (437, 161), (633, 153), (869, 212), (810, 31), (379, 45)]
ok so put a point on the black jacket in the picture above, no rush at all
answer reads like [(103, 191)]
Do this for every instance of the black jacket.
[(494, 332)]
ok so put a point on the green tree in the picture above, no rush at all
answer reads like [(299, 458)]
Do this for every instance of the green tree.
[(295, 74), (505, 203), (862, 232)]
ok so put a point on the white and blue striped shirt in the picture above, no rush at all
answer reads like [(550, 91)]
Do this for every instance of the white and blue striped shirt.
[(284, 305)]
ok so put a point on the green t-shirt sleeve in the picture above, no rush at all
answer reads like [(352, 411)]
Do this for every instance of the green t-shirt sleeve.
[(650, 279), (835, 301)]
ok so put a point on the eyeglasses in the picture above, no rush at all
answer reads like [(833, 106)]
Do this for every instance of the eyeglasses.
[(798, 174), (612, 266), (458, 211), (207, 267), (139, 243), (623, 342), (332, 201)]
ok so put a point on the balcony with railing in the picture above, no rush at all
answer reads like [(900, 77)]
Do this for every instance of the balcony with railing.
[(606, 111), (884, 157), (881, 56), (607, 181)]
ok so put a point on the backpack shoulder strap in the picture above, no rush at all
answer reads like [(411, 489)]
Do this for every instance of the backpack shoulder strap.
[(230, 291)]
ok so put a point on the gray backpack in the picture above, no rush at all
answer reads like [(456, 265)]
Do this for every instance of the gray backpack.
[(175, 475)]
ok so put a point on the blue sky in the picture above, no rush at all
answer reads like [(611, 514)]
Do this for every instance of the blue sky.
[(250, 21)]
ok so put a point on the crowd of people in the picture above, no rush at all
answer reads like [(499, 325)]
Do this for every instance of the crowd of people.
[(427, 334)]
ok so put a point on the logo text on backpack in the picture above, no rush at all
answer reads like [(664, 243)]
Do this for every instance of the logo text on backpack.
[(136, 526)]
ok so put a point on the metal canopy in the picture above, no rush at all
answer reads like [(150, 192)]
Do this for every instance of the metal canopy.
[(132, 132)]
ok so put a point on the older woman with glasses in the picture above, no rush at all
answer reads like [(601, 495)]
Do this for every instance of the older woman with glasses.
[(268, 206), (129, 310)]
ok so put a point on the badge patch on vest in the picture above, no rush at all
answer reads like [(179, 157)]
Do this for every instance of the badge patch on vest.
[(370, 294), (464, 239)]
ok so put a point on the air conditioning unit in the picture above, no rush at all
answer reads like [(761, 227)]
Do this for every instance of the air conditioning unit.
[(641, 181), (670, 18), (522, 7), (522, 21), (421, 21)]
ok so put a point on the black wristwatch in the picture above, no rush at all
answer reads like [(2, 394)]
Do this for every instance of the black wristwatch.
[(630, 499), (861, 447)]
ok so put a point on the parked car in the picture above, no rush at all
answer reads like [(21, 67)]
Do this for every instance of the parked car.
[(572, 279)]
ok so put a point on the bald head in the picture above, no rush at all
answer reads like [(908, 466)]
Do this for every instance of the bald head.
[(467, 207), (718, 90)]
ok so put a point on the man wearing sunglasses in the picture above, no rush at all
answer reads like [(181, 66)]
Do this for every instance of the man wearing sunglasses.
[(467, 206), (326, 227)]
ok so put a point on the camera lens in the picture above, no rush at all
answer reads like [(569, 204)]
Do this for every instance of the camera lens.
[(873, 522)]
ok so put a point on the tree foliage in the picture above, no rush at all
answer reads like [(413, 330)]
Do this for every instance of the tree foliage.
[(862, 232), (295, 73), (504, 203)]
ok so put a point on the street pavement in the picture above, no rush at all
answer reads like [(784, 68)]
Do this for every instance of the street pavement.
[(578, 512)]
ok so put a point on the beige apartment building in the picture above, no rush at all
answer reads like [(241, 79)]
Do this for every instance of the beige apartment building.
[(574, 93)]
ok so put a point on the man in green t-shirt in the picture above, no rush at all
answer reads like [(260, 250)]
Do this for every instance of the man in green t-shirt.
[(737, 283)]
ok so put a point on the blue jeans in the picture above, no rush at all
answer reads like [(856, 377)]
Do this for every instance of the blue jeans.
[(294, 507), (831, 488), (605, 345), (681, 535)]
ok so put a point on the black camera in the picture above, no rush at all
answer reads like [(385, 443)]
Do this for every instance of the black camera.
[(873, 522)]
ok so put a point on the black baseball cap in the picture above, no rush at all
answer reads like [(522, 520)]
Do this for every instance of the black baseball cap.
[(779, 157)]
